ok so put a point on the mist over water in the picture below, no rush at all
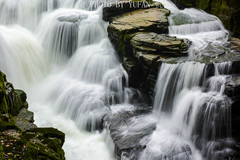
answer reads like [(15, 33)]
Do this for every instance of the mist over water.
[(58, 51)]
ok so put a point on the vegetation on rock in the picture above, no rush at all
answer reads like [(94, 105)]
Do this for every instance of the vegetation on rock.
[(20, 138)]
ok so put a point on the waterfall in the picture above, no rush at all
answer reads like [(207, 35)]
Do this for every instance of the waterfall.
[(194, 114), (21, 56), (59, 53), (173, 79), (206, 32)]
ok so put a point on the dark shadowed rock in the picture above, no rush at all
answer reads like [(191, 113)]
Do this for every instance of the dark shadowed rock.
[(127, 130), (141, 51), (232, 89)]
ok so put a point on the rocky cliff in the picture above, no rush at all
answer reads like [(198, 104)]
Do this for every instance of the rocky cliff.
[(141, 38), (20, 138)]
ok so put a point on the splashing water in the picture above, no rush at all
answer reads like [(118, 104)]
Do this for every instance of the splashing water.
[(58, 51), (67, 66), (194, 115)]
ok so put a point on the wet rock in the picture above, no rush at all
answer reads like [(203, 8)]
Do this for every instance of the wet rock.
[(219, 149), (153, 45), (232, 89), (140, 38), (235, 43), (235, 67), (49, 133), (126, 134), (7, 122), (123, 26), (23, 124), (20, 138), (21, 94), (142, 52), (152, 19), (26, 114), (149, 50)]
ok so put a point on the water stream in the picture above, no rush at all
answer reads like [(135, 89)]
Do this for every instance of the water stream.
[(59, 53), (61, 56)]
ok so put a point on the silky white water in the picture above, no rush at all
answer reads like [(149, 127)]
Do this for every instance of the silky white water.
[(206, 32), (59, 53), (194, 115), (61, 56)]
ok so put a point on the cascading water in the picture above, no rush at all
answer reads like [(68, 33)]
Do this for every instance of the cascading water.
[(194, 115), (68, 67), (61, 56)]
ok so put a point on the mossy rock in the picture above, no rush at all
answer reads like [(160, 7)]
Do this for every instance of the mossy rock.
[(3, 102), (21, 94), (124, 26), (20, 139), (7, 122), (50, 133)]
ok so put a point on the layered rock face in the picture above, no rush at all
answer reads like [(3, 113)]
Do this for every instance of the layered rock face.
[(20, 138), (140, 37), (228, 11)]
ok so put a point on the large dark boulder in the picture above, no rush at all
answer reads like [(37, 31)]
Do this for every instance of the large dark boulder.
[(127, 131), (141, 39), (232, 90)]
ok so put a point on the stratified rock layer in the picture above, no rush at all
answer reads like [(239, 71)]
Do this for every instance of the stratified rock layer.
[(141, 39)]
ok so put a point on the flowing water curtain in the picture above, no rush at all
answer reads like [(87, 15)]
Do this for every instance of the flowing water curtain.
[(173, 78), (196, 113), (25, 12), (93, 77), (78, 91), (21, 56), (201, 115), (65, 30), (58, 33), (206, 32)]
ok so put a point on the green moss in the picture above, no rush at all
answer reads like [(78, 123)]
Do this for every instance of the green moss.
[(50, 133), (3, 102), (35, 144), (1, 152), (21, 94), (7, 125)]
